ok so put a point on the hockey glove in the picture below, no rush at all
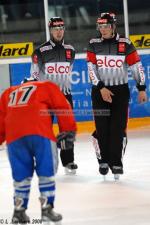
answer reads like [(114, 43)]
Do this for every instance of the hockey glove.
[(65, 140)]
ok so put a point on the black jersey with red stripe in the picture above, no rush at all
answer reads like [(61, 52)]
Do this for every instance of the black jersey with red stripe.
[(54, 61), (110, 59)]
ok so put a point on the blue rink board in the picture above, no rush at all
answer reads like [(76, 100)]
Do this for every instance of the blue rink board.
[(81, 88)]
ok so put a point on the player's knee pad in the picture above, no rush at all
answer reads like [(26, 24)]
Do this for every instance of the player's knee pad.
[(55, 157)]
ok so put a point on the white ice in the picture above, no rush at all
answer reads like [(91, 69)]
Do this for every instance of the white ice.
[(86, 199)]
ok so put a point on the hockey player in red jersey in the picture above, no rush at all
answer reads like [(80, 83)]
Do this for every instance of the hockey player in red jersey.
[(26, 125), (109, 56)]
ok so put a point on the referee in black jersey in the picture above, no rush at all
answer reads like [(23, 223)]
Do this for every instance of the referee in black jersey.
[(109, 56)]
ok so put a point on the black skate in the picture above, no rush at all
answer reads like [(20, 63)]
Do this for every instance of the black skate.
[(71, 168), (103, 168), (48, 215), (117, 170), (20, 217)]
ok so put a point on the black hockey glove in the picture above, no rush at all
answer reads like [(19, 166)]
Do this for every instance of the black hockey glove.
[(65, 140)]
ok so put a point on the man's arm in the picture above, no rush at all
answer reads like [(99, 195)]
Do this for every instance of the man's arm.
[(134, 62), (66, 121), (61, 107), (35, 65)]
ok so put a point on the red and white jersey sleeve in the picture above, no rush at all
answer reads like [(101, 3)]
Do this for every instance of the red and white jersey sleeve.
[(134, 62), (35, 69), (91, 63)]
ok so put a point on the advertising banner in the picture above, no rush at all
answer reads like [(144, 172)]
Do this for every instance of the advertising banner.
[(4, 77), (136, 109), (16, 50), (141, 41), (81, 91)]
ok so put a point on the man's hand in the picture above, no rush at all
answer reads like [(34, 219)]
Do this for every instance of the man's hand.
[(3, 146), (106, 95), (142, 97)]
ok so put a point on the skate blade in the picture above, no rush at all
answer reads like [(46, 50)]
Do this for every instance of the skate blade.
[(57, 223), (46, 222), (70, 172), (51, 223), (116, 177), (104, 177)]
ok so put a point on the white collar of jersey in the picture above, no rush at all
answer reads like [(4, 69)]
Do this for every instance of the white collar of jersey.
[(53, 44), (117, 37)]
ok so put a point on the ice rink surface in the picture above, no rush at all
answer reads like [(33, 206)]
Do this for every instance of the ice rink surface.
[(85, 198)]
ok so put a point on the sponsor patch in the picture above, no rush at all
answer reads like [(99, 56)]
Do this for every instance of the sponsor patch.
[(68, 54), (45, 48), (121, 47)]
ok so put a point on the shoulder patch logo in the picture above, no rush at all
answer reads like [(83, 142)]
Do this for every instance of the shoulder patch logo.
[(68, 47), (45, 48), (95, 40), (126, 40)]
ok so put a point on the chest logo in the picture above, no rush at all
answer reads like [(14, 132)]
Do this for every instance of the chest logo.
[(110, 62)]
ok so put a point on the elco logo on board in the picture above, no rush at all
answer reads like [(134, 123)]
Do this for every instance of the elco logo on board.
[(16, 50), (141, 41)]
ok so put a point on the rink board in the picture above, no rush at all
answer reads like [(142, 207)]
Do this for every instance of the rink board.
[(89, 126), (81, 88)]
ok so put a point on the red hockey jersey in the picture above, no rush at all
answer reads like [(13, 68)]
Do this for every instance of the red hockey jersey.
[(25, 110)]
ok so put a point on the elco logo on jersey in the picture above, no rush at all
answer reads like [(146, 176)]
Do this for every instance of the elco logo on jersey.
[(110, 61), (57, 68)]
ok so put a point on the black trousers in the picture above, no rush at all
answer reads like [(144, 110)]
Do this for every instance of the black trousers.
[(111, 121), (67, 156)]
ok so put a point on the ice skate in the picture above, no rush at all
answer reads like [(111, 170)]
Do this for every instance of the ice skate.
[(20, 217), (70, 168), (103, 169), (117, 170), (48, 216)]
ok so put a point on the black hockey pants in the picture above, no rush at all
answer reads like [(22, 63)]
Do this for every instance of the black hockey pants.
[(111, 121), (67, 156)]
